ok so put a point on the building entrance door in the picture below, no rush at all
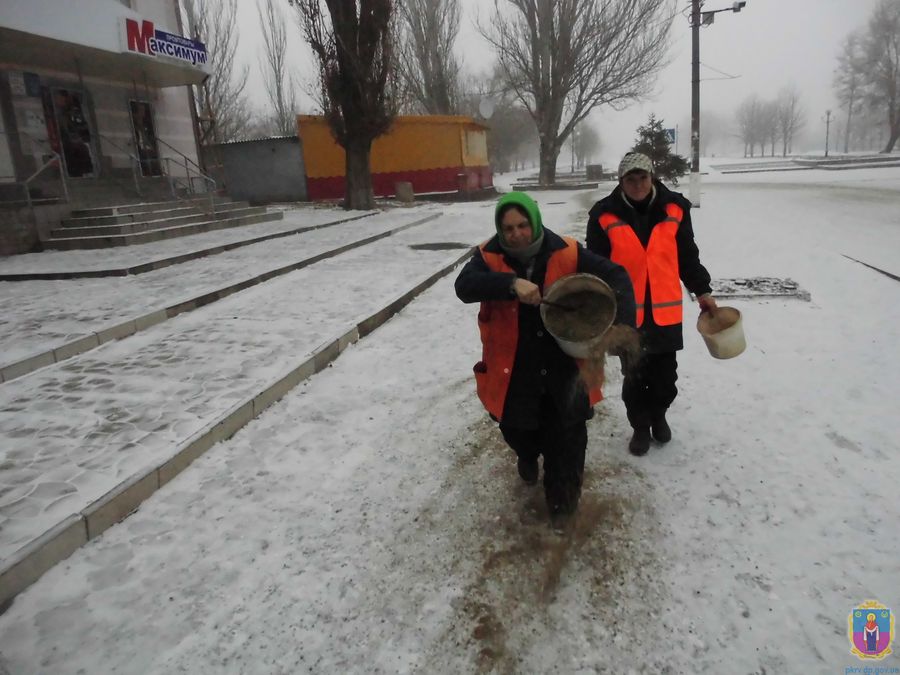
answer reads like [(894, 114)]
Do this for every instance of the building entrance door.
[(75, 138), (7, 172), (145, 138)]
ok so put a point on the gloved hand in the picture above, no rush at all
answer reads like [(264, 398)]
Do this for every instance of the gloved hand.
[(527, 292), (707, 304)]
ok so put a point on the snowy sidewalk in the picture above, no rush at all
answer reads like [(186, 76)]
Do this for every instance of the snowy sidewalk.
[(75, 430), (60, 262), (40, 316)]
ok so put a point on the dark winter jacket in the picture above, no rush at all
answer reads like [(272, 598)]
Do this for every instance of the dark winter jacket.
[(655, 339), (540, 365)]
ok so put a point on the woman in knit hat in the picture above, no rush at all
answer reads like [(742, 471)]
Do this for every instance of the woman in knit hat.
[(647, 228), (525, 381)]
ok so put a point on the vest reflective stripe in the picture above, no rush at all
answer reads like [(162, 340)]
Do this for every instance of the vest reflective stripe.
[(656, 266), (498, 323)]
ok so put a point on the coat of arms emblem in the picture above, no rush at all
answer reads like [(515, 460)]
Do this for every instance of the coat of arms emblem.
[(871, 630)]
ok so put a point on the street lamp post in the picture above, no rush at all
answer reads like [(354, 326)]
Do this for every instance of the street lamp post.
[(699, 18), (827, 129), (695, 102)]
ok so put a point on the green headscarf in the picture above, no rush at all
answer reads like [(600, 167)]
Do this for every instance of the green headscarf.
[(527, 204)]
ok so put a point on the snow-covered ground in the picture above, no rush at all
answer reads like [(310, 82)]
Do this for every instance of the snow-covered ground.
[(41, 315), (373, 521)]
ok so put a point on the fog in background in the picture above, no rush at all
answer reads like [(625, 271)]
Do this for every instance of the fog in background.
[(770, 44)]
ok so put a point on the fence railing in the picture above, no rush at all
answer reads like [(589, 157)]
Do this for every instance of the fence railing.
[(192, 171), (182, 172), (135, 163), (53, 160)]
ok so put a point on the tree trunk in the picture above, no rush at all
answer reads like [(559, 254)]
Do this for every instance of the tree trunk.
[(359, 194), (892, 139), (847, 132), (893, 127), (549, 155)]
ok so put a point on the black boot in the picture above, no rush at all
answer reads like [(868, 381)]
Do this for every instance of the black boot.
[(640, 441), (562, 501), (528, 470), (661, 430)]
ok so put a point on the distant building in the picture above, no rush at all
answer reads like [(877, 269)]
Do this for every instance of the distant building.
[(101, 83), (436, 153), (260, 171)]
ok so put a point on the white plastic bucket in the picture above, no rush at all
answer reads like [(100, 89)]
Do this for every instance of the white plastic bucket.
[(723, 332), (590, 329)]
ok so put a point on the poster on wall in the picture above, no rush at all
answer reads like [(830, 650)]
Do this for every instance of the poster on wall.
[(17, 83)]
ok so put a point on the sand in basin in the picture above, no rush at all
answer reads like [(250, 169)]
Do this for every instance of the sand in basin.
[(590, 315)]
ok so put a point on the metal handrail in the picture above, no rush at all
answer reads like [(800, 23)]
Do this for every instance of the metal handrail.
[(212, 186), (136, 163), (185, 157), (190, 185), (55, 159)]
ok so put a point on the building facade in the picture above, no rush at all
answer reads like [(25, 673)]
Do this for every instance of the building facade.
[(92, 90), (435, 153)]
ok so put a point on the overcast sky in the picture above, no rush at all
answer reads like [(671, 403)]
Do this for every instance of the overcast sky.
[(768, 45)]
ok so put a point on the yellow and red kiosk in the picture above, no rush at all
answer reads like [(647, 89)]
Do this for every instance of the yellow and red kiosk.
[(436, 153)]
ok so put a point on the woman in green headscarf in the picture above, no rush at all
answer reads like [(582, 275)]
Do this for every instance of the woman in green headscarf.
[(525, 381)]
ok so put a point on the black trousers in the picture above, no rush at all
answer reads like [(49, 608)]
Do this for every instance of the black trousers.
[(563, 448), (649, 387)]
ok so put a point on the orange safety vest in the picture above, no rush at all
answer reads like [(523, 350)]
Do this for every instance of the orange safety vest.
[(498, 322), (658, 263)]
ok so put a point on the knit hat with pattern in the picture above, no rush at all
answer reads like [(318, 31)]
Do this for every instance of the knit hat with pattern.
[(635, 161)]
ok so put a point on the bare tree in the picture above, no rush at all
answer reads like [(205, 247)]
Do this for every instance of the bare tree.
[(587, 144), (848, 78), (715, 132), (512, 136), (582, 143), (790, 117), (869, 130), (563, 58), (273, 66), (770, 125), (882, 49), (353, 43), (223, 109), (751, 124), (716, 135), (427, 66)]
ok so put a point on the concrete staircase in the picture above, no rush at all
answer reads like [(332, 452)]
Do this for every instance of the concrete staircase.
[(143, 222)]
